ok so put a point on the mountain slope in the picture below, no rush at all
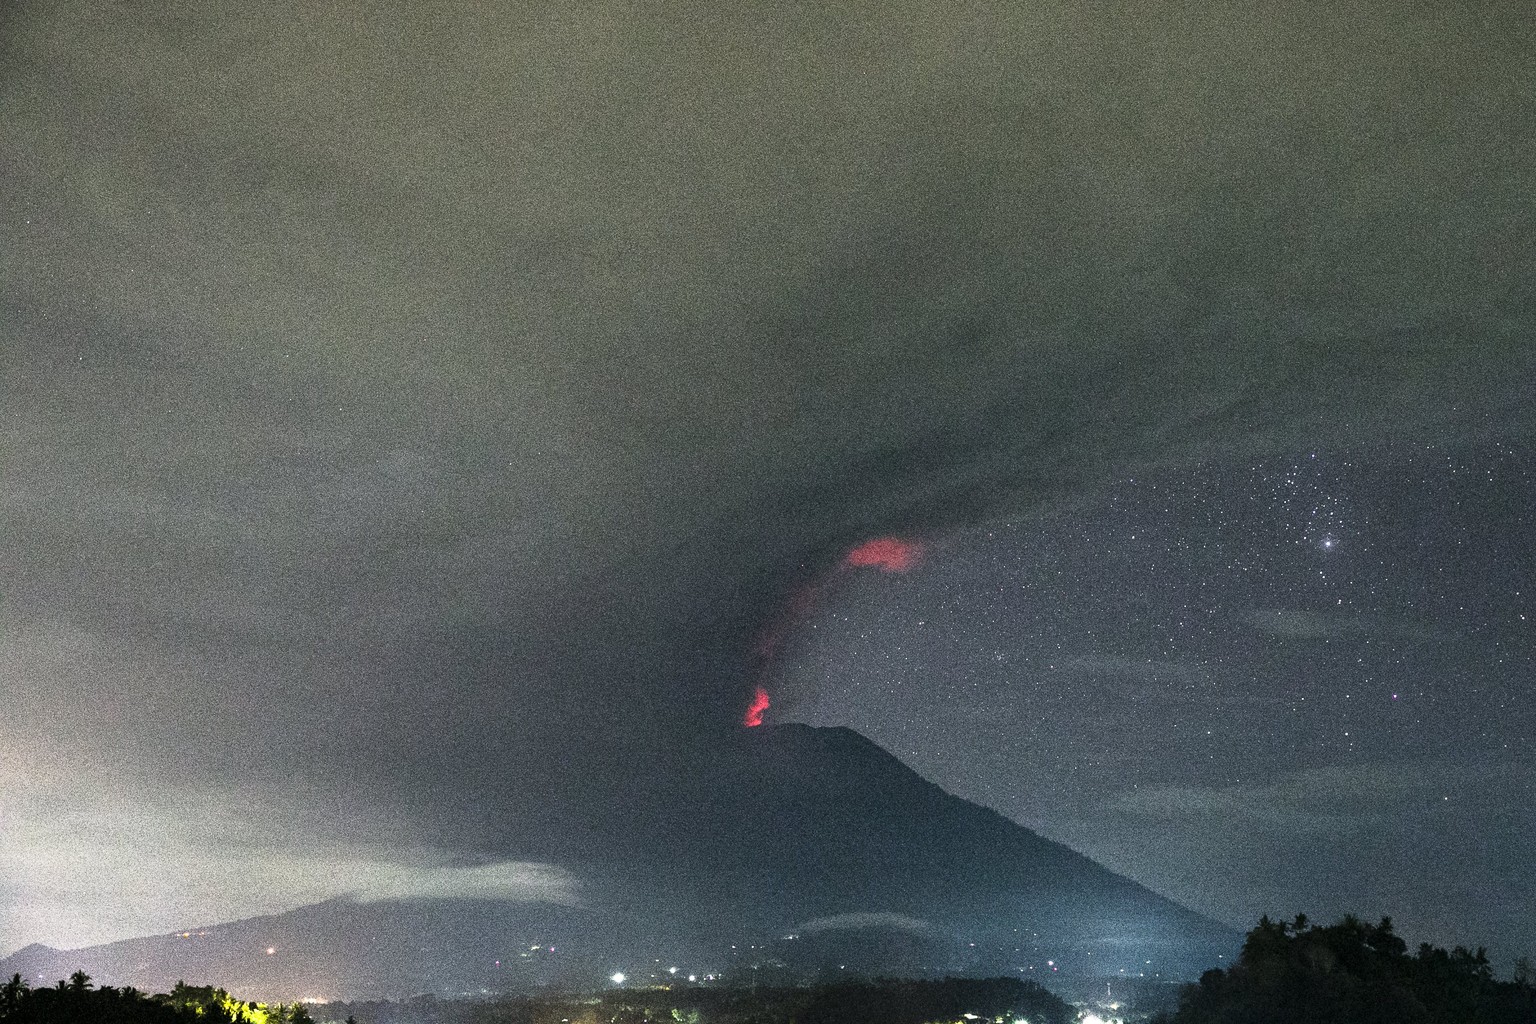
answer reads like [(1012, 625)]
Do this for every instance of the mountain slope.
[(775, 851), (806, 823)]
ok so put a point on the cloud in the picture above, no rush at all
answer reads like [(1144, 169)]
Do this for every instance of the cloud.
[(842, 922), (82, 869), (511, 881), (1301, 625), (1416, 839), (1312, 625), (1333, 801)]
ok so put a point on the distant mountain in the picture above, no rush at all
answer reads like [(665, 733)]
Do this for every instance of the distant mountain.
[(790, 850), (34, 961)]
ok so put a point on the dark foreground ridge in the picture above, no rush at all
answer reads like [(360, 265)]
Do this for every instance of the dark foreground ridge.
[(792, 854), (76, 1000), (1354, 973)]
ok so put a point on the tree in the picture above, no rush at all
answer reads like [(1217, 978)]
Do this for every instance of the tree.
[(12, 991), (1352, 973), (79, 982)]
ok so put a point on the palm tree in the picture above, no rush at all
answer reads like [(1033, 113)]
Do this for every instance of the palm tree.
[(11, 992), (79, 982)]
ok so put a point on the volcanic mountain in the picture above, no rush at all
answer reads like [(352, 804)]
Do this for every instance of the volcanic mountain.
[(798, 851)]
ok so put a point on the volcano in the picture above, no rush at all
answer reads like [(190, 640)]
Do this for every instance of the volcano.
[(801, 852)]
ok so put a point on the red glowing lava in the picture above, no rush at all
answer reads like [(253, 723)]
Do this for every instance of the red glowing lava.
[(888, 554), (754, 716)]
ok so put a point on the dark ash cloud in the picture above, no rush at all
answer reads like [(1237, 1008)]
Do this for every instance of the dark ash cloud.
[(436, 407)]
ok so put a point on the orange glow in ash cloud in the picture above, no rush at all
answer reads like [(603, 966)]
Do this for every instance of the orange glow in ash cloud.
[(754, 716), (888, 554)]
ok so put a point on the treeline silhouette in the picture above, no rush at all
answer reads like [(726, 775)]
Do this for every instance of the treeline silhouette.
[(77, 1001), (1353, 973)]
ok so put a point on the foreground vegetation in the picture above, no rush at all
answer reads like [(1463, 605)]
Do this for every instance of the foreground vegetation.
[(77, 1001), (1354, 973)]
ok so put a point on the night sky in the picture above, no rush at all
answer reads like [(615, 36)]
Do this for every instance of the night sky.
[(1297, 681), (411, 421)]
